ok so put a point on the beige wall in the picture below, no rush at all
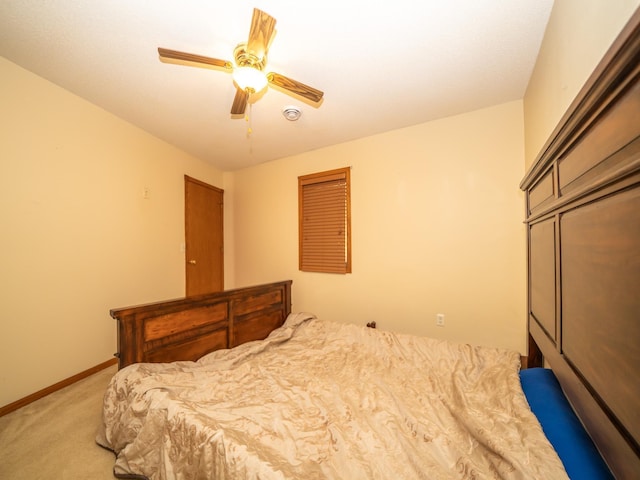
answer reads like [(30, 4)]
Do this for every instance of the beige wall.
[(437, 228), (578, 35), (78, 238)]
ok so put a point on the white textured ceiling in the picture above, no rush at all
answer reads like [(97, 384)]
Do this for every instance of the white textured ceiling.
[(382, 65)]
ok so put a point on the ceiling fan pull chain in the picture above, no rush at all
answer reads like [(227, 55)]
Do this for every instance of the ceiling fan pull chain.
[(248, 117)]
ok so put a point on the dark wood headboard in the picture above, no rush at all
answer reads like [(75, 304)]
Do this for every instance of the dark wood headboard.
[(583, 218), (188, 328)]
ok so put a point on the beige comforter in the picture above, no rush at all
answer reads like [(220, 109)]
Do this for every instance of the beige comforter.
[(322, 400)]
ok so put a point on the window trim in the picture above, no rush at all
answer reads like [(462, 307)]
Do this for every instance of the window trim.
[(316, 179)]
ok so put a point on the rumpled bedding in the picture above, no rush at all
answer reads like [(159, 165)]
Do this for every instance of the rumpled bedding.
[(323, 400)]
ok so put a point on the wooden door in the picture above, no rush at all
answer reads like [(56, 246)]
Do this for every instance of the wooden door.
[(203, 237)]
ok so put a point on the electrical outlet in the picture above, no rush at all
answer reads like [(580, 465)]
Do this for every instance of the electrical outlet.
[(440, 319)]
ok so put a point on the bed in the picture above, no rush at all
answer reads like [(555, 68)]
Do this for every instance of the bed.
[(318, 399), (235, 385)]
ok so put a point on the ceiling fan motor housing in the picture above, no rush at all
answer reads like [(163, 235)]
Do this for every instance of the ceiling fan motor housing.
[(245, 58)]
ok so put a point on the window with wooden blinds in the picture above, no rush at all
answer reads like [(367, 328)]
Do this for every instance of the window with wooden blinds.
[(324, 216)]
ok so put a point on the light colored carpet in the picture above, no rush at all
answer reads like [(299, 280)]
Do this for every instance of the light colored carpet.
[(54, 437)]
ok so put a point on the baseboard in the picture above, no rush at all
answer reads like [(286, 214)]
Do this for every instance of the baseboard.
[(55, 387)]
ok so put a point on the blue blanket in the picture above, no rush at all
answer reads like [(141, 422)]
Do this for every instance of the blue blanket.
[(562, 427)]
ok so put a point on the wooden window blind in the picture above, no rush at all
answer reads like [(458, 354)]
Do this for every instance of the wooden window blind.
[(324, 217)]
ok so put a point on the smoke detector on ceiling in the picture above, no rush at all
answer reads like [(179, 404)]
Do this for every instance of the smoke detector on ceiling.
[(291, 113)]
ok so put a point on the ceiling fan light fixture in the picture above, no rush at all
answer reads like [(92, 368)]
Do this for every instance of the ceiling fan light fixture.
[(250, 78)]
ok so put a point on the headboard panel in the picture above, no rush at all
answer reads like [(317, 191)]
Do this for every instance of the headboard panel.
[(188, 328), (583, 217), (601, 299)]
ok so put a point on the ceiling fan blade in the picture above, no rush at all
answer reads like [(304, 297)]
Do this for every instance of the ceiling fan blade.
[(190, 58), (239, 102), (261, 32), (295, 87)]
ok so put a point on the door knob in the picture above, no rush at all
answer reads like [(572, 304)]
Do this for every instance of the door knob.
[(192, 262)]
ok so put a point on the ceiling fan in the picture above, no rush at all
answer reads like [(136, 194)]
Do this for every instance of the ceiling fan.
[(250, 60)]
